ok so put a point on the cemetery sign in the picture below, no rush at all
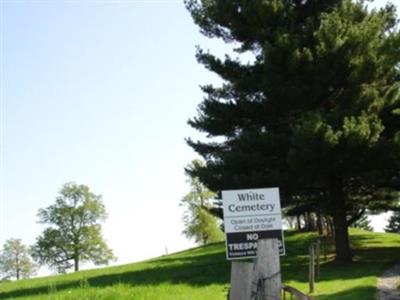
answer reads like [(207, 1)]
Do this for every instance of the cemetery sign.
[(250, 215)]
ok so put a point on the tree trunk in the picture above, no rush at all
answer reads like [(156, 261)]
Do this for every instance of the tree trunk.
[(312, 222), (298, 222), (18, 270), (76, 262), (306, 222), (319, 223), (343, 252), (290, 221), (329, 226)]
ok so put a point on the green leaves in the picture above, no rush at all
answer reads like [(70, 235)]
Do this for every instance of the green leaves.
[(316, 112), (15, 260), (199, 223), (75, 232), (394, 223), (362, 131)]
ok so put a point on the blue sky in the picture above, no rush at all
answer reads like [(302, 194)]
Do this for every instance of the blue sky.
[(99, 92)]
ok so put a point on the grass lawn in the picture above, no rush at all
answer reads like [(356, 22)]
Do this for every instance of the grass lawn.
[(203, 274)]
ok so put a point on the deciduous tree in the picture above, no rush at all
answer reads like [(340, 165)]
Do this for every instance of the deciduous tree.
[(74, 235), (15, 261), (199, 223)]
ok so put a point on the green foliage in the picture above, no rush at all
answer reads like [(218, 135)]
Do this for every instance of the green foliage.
[(74, 235), (394, 223), (203, 273), (199, 223), (15, 261), (315, 109), (363, 223)]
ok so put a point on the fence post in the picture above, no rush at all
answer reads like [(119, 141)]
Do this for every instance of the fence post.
[(311, 274), (317, 260), (267, 282), (325, 245), (241, 276)]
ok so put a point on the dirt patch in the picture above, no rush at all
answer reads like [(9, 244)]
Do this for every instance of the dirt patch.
[(388, 284)]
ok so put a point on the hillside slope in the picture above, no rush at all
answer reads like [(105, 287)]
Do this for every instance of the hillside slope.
[(203, 273)]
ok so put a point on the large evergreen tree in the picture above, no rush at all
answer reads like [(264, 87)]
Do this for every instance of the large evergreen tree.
[(315, 112)]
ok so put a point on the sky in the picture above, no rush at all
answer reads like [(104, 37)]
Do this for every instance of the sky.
[(99, 93)]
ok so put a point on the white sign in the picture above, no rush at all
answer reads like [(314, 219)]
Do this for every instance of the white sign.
[(249, 210), (249, 215)]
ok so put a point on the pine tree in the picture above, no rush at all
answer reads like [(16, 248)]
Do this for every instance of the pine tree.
[(315, 111), (394, 223)]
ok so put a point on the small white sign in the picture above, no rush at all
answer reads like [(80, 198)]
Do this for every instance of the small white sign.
[(253, 223)]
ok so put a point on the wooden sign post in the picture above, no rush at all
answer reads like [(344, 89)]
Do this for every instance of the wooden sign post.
[(267, 282), (260, 280), (241, 276)]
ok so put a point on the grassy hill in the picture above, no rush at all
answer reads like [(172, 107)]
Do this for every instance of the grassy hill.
[(203, 273)]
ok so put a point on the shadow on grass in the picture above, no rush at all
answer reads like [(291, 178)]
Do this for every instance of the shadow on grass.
[(205, 266), (200, 270), (364, 293)]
